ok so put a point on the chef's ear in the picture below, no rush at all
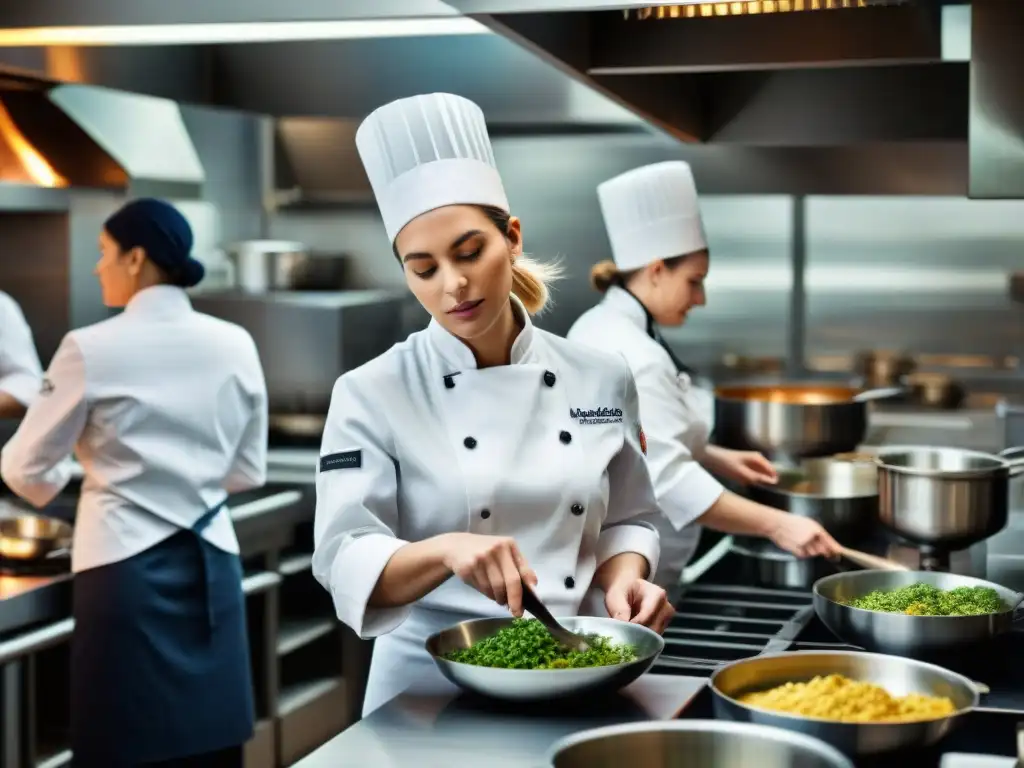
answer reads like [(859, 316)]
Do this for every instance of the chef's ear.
[(655, 271), (136, 257), (514, 235)]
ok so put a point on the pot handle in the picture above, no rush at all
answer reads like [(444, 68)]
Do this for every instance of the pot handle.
[(882, 393), (1016, 465)]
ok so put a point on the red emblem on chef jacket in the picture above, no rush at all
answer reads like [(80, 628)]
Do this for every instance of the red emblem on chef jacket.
[(643, 439)]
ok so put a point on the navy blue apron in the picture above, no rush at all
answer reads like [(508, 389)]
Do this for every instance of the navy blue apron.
[(160, 664)]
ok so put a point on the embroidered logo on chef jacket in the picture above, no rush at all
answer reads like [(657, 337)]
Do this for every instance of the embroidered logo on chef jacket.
[(46, 387), (597, 415), (346, 460)]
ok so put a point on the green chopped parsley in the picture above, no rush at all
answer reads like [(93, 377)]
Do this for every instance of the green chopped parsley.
[(527, 644), (927, 600)]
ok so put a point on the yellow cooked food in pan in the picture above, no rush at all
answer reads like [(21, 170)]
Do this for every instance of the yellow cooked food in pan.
[(840, 699)]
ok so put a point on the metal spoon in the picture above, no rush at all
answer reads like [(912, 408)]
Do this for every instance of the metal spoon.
[(569, 639)]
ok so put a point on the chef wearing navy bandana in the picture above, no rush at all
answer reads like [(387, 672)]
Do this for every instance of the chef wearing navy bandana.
[(166, 410), (482, 451)]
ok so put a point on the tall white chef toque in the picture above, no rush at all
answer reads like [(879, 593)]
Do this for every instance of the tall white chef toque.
[(652, 213), (426, 152)]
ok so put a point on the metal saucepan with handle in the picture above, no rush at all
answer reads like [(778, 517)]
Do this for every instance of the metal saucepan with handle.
[(899, 676), (947, 498), (794, 421), (693, 744), (841, 495), (29, 537), (900, 633)]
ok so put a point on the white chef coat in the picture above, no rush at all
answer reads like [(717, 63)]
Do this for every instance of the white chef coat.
[(676, 422), (20, 371), (420, 442), (165, 408)]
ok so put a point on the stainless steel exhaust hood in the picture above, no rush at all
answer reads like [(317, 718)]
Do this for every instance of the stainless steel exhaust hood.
[(87, 136), (869, 73), (316, 164)]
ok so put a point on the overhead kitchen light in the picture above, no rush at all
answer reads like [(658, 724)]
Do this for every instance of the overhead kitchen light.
[(702, 8), (255, 32)]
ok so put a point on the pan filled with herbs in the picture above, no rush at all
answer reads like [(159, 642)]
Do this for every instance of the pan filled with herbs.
[(519, 660), (920, 614)]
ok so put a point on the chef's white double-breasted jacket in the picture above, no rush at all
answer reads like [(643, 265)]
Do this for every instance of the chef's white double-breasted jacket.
[(420, 442), (165, 408), (676, 420)]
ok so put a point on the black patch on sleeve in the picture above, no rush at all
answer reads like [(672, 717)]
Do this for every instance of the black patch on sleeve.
[(346, 460)]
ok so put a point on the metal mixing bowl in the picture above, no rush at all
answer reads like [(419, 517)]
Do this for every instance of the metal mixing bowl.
[(898, 633), (897, 675), (693, 744), (544, 684)]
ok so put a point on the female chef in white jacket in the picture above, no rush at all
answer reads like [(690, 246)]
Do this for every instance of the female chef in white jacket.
[(165, 409), (661, 260), (481, 447), (20, 371)]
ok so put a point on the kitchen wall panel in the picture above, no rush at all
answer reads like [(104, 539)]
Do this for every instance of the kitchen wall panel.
[(924, 273)]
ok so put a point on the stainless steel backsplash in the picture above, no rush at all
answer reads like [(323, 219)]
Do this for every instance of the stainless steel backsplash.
[(924, 273)]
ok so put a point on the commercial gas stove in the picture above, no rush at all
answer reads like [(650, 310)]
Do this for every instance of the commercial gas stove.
[(720, 620)]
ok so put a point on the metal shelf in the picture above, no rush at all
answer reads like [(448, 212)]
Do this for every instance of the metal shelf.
[(298, 633)]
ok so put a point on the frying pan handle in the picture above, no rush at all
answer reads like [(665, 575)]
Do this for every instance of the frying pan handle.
[(882, 393), (1014, 458)]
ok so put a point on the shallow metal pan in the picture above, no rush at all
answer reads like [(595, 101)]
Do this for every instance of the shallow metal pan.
[(28, 537), (544, 684), (914, 636)]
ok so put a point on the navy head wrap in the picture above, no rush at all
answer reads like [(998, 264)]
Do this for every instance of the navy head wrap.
[(158, 228)]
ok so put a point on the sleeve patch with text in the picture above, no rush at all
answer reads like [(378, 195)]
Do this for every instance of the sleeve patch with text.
[(346, 460)]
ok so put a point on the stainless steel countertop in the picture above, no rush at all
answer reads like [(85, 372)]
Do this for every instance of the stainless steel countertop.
[(455, 731), (13, 586)]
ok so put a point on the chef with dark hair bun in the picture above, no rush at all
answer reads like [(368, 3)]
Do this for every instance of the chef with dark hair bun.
[(166, 410)]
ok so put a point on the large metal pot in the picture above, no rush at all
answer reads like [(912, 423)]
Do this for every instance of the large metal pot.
[(946, 498), (898, 675), (841, 495), (692, 744), (281, 265), (793, 421)]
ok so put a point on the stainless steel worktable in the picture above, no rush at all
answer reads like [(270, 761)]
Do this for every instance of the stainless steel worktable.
[(453, 730)]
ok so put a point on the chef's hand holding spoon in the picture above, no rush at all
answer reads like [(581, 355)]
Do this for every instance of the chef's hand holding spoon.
[(493, 565), (804, 537)]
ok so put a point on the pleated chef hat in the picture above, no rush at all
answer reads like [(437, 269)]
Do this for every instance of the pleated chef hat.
[(425, 152), (651, 213)]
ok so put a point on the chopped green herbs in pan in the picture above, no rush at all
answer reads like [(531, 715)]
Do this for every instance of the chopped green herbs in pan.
[(526, 644), (926, 600)]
